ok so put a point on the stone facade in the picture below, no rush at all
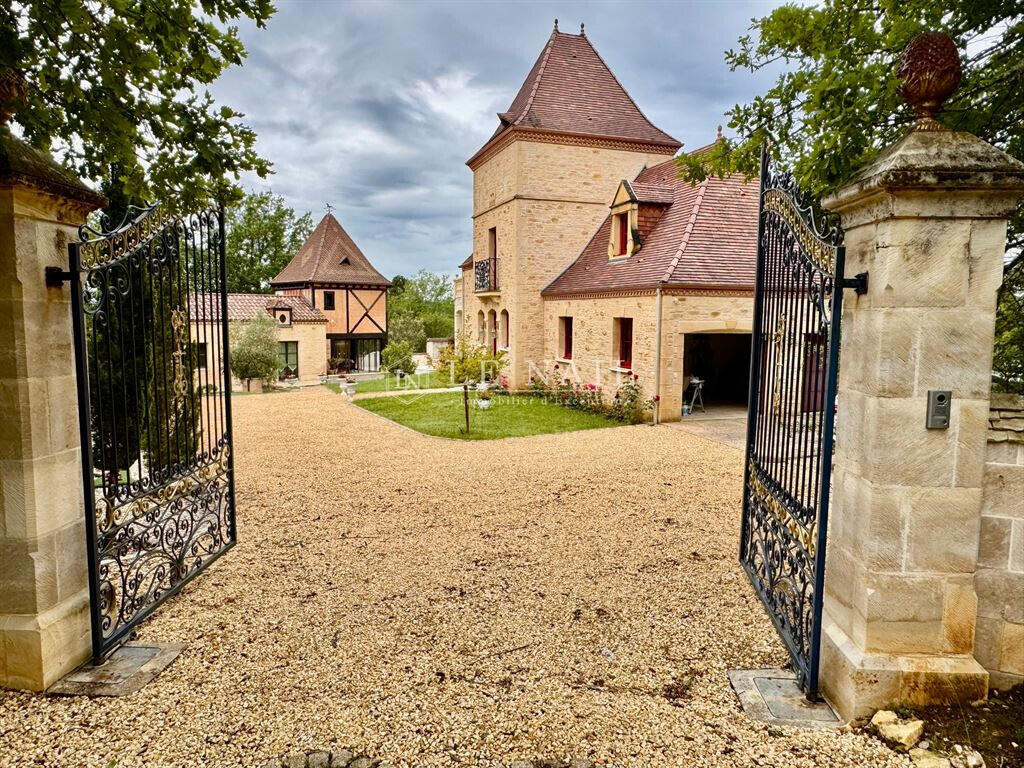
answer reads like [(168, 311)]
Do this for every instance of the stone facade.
[(312, 347), (544, 200), (999, 638), (44, 596), (681, 314), (927, 222)]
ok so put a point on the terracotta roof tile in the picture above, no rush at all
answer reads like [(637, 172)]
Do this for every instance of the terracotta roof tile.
[(570, 89), (330, 256), (707, 237), (246, 306)]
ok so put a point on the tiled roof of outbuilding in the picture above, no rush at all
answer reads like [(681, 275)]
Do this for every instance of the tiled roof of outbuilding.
[(706, 238), (329, 255), (246, 306), (571, 90)]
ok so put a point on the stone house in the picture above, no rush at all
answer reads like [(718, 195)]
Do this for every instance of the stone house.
[(588, 250), (329, 307)]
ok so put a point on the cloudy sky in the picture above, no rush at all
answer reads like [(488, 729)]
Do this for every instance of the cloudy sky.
[(374, 107)]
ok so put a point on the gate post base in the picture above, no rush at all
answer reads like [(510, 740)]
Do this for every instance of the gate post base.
[(858, 684), (41, 649)]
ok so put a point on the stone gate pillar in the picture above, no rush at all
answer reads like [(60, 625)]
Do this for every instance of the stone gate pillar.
[(927, 221), (44, 599)]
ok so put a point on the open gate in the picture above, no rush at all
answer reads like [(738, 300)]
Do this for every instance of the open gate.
[(794, 360), (149, 308)]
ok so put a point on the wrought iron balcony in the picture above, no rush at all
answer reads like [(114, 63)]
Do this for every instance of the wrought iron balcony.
[(485, 274)]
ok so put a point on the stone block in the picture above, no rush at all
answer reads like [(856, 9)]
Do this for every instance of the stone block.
[(884, 345), (987, 634), (970, 419), (1011, 652), (1017, 547), (921, 263), (1004, 452), (994, 542), (955, 352), (1004, 491), (987, 248), (1000, 594), (959, 615), (899, 450), (942, 529)]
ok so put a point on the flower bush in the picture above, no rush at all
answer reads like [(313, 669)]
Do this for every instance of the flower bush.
[(627, 405)]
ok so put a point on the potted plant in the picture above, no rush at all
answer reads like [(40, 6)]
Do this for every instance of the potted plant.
[(483, 400), (350, 385), (483, 386)]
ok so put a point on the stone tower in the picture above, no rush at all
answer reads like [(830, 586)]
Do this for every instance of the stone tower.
[(541, 186)]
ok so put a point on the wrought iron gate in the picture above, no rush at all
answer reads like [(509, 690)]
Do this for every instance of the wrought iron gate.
[(794, 359), (151, 351)]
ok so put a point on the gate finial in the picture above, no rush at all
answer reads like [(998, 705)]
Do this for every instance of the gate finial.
[(929, 72)]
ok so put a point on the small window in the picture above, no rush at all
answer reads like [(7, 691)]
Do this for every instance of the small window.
[(284, 316), (201, 355), (624, 341), (492, 243), (565, 331), (288, 358), (328, 299)]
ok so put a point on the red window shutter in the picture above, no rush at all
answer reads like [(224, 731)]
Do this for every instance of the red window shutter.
[(623, 232)]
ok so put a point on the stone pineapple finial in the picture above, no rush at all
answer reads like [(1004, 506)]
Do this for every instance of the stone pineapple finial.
[(929, 72), (12, 93)]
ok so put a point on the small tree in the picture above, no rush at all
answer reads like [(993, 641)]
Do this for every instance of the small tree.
[(466, 361), (397, 356), (254, 354)]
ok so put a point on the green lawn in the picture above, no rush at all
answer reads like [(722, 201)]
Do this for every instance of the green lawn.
[(509, 416), (430, 380)]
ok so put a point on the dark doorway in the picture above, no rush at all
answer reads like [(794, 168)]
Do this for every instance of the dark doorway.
[(722, 361)]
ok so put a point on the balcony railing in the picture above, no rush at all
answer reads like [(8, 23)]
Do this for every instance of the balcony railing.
[(485, 276)]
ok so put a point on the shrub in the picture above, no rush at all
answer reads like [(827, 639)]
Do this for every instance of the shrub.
[(628, 404), (254, 353), (466, 362), (397, 356)]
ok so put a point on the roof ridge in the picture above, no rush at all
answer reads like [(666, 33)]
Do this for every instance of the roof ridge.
[(690, 225), (619, 83), (540, 76)]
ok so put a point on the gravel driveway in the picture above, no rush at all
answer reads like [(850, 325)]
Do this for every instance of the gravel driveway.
[(443, 603)]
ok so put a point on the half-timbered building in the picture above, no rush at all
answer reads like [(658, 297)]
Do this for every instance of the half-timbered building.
[(333, 275)]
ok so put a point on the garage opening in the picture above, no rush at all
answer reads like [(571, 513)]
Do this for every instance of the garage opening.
[(722, 362)]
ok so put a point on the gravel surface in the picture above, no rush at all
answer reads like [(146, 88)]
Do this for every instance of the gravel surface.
[(434, 602)]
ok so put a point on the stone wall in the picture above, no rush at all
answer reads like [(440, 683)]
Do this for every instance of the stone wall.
[(546, 201), (311, 337), (999, 640), (593, 352)]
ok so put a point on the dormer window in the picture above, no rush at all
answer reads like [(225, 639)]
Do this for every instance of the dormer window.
[(283, 315)]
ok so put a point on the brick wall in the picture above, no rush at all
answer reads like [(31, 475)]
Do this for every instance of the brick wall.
[(999, 638)]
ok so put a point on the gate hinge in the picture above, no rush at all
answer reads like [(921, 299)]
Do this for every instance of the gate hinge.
[(56, 277), (858, 282)]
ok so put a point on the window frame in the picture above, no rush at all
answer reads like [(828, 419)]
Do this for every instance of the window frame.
[(283, 356), (201, 355), (624, 338), (329, 297), (567, 336), (622, 233)]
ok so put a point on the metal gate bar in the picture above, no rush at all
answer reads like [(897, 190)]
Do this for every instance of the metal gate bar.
[(791, 414), (149, 307)]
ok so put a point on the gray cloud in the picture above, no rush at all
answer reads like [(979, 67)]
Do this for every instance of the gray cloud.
[(374, 107)]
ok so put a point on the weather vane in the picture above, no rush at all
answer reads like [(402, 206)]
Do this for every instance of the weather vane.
[(330, 208)]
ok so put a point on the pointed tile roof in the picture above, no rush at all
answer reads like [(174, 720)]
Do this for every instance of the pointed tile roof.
[(570, 90), (329, 255), (705, 239)]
